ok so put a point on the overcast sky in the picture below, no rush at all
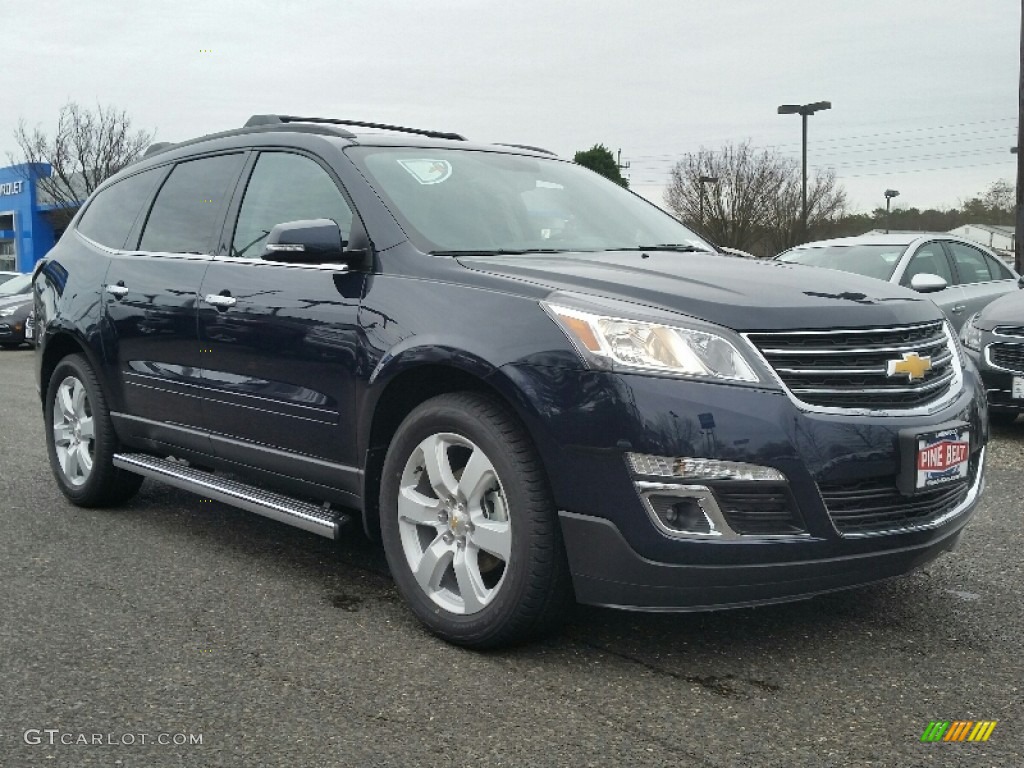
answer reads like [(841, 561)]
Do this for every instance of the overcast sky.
[(916, 85)]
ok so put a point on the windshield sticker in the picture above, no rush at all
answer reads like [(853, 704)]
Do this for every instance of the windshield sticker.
[(428, 171)]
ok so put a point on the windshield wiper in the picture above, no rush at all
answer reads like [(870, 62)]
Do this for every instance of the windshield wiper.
[(677, 247), (497, 252)]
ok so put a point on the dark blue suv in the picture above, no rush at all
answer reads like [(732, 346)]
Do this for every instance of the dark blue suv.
[(527, 382)]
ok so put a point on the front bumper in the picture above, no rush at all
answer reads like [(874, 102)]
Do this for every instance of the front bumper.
[(608, 572), (589, 420)]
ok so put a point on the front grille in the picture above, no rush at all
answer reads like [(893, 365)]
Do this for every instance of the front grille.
[(847, 368), (758, 508), (1009, 330), (877, 506), (1007, 355)]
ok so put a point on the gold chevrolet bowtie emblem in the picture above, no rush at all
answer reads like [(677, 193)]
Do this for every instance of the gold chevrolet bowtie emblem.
[(913, 365)]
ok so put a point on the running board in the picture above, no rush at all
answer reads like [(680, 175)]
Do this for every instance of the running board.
[(302, 514)]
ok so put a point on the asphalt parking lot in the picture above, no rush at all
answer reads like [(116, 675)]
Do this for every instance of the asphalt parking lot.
[(175, 618)]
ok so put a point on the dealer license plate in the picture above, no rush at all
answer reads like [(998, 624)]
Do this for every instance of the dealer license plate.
[(1018, 388), (942, 457), (29, 327)]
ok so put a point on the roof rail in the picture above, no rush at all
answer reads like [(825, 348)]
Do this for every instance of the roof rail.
[(526, 146), (160, 146), (257, 120)]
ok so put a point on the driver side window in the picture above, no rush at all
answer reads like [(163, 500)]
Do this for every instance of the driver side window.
[(930, 259), (286, 187)]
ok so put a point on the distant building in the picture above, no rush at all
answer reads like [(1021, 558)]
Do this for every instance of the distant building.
[(995, 236), (28, 226)]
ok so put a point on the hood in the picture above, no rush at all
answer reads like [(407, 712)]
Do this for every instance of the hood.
[(1006, 310), (20, 298), (741, 294)]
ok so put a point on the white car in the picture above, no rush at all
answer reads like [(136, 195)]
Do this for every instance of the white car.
[(959, 275)]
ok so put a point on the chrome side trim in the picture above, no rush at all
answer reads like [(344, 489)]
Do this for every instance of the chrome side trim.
[(972, 496), (284, 509)]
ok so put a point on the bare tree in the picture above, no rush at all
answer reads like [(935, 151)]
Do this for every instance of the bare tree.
[(735, 206), (755, 202), (88, 147), (826, 205)]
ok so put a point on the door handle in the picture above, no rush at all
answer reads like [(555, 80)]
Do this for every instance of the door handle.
[(959, 308), (219, 300), (117, 291)]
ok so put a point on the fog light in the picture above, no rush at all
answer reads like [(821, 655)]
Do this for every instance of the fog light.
[(700, 469), (678, 514)]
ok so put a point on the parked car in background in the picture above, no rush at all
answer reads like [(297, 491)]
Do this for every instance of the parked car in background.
[(5, 276), (994, 339), (15, 328), (18, 285), (959, 275)]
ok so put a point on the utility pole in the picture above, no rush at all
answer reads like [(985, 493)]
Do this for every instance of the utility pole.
[(625, 166), (1017, 260)]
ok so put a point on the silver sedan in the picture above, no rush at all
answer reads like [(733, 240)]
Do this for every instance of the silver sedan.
[(959, 275)]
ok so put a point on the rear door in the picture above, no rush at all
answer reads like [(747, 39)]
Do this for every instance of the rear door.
[(281, 340), (982, 277), (151, 296)]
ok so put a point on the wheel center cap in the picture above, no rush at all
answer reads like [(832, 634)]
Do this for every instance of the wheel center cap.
[(457, 522)]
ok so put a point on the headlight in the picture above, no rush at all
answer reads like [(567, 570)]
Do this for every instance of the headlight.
[(8, 311), (970, 334), (654, 347)]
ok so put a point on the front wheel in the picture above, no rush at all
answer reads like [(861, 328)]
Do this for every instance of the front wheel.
[(469, 526), (80, 438)]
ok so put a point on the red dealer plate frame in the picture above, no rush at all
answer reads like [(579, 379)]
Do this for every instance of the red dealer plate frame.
[(942, 457)]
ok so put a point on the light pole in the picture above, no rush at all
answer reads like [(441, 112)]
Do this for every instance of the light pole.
[(804, 110), (889, 195), (704, 180)]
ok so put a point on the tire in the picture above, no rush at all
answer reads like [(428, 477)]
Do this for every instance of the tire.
[(1001, 418), (80, 439), (492, 563)]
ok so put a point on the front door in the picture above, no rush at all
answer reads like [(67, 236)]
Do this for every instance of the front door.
[(281, 340)]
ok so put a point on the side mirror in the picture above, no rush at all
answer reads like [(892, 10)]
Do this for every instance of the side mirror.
[(926, 282), (310, 241), (1020, 281)]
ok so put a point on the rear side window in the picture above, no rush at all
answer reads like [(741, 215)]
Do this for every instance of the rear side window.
[(971, 264), (186, 216), (111, 214), (998, 269)]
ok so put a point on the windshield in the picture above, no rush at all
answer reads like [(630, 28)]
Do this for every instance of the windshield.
[(451, 200), (18, 284), (869, 260)]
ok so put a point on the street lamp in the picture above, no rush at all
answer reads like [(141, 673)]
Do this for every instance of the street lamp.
[(889, 195), (704, 180), (804, 110)]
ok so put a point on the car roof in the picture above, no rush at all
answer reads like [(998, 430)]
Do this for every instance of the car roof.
[(895, 238)]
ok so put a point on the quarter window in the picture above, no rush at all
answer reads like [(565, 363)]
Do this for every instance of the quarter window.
[(286, 187), (186, 216), (998, 269), (970, 264), (109, 217)]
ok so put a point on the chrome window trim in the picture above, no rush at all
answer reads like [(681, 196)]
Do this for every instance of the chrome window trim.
[(994, 366), (972, 495), (324, 267), (924, 410)]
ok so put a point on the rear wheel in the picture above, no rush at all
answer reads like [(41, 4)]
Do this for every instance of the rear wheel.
[(469, 527), (80, 438)]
